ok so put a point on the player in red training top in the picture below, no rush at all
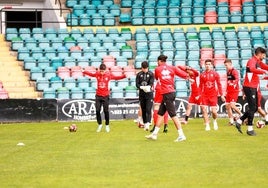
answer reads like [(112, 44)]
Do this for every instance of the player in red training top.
[(165, 74), (254, 68), (210, 87), (158, 97), (102, 93), (193, 100), (232, 90)]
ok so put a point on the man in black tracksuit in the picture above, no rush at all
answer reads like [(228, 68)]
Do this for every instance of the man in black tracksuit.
[(144, 82)]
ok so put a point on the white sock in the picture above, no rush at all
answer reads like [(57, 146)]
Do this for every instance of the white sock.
[(180, 132), (239, 121), (266, 117), (231, 120), (250, 128), (214, 120), (156, 130), (207, 124)]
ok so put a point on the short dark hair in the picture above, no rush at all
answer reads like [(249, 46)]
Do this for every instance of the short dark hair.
[(228, 60), (162, 58), (144, 64), (102, 66), (260, 50), (208, 60)]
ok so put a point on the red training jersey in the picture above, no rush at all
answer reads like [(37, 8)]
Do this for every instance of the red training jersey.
[(165, 74), (103, 88), (253, 69), (210, 83), (232, 81)]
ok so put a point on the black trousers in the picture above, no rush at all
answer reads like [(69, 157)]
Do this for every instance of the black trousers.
[(252, 99), (146, 103), (102, 102)]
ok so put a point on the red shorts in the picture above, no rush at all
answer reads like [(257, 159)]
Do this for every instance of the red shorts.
[(192, 100), (231, 97), (209, 100), (158, 97)]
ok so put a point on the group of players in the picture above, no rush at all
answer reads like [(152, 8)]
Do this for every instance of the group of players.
[(205, 93)]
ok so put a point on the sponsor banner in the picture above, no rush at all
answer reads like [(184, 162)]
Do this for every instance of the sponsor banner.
[(27, 110), (123, 108), (84, 109)]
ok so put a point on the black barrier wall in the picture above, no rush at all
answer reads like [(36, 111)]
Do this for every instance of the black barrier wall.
[(29, 110)]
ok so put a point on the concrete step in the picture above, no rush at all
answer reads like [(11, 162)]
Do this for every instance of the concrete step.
[(15, 80), (24, 95)]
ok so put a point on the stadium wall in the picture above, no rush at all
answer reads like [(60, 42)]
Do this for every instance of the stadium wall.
[(37, 110)]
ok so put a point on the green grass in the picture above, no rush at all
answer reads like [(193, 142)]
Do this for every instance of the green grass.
[(54, 157)]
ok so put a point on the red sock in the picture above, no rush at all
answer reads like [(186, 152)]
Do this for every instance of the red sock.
[(155, 116)]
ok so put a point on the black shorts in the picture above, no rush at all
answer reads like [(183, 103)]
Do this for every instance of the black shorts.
[(168, 105)]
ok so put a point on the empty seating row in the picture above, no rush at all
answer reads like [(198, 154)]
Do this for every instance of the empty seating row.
[(70, 43), (91, 20), (75, 71), (72, 3), (125, 51), (81, 82), (88, 93), (51, 33), (83, 62), (90, 9)]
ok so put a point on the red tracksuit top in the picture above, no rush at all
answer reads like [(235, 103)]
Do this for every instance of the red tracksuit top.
[(208, 81), (103, 80), (165, 74), (253, 69)]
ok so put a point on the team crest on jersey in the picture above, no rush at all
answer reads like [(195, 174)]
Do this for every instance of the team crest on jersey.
[(165, 74)]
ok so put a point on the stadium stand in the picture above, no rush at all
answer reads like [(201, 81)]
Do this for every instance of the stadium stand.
[(133, 31)]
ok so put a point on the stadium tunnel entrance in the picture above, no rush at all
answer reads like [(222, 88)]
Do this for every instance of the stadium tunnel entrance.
[(23, 19)]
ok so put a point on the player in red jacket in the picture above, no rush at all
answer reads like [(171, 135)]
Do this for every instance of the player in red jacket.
[(102, 93), (158, 97), (209, 88), (165, 74), (254, 68), (232, 90), (193, 100)]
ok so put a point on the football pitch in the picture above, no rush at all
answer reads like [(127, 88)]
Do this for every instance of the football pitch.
[(54, 157)]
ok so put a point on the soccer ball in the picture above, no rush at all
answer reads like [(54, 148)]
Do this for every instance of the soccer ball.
[(73, 128), (260, 124)]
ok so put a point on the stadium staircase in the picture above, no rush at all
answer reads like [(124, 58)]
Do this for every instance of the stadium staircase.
[(15, 80)]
